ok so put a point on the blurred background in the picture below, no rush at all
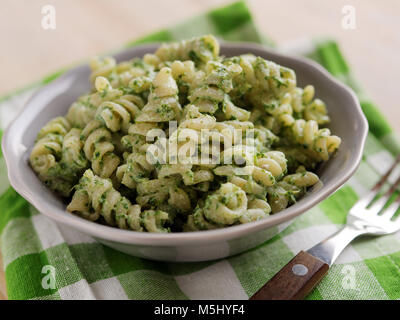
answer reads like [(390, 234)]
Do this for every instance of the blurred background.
[(88, 27)]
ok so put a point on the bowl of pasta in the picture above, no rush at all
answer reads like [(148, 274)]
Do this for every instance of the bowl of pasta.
[(187, 151)]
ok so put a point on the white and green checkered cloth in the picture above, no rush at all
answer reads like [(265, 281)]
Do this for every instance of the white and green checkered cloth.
[(84, 269)]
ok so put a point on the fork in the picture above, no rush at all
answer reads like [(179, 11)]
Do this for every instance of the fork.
[(372, 215)]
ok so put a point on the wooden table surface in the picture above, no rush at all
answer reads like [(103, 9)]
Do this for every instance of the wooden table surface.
[(86, 28)]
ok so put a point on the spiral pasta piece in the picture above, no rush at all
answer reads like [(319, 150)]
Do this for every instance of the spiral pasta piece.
[(136, 138), (99, 149), (264, 75), (73, 160), (257, 209), (199, 50), (154, 220), (163, 104), (135, 170), (84, 109), (47, 153), (303, 103), (136, 167), (320, 141), (226, 206), (163, 193), (98, 195), (186, 77), (190, 175), (258, 174), (80, 205), (197, 221), (59, 126), (271, 86), (316, 111), (135, 74), (211, 93), (47, 148), (119, 114), (101, 67), (291, 188), (184, 139), (274, 162)]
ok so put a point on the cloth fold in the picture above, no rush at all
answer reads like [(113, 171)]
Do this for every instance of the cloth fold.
[(44, 260)]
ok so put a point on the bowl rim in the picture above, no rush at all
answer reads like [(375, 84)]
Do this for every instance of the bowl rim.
[(113, 234)]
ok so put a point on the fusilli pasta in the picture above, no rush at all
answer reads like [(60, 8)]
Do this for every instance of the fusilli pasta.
[(184, 139)]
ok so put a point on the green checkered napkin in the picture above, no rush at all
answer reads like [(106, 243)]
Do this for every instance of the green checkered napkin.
[(84, 269)]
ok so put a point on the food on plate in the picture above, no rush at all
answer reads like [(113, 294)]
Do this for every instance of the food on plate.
[(185, 139)]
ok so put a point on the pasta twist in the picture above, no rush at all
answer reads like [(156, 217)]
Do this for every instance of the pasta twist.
[(263, 139), (136, 138), (47, 153), (301, 98), (99, 149), (118, 115), (195, 120), (101, 67), (47, 148), (266, 76), (304, 105), (257, 175), (134, 75), (319, 141), (155, 220), (163, 104), (135, 170), (257, 209), (197, 221), (84, 109), (73, 160), (270, 87), (186, 77), (163, 194), (316, 111), (199, 50), (291, 188), (226, 206), (185, 139), (136, 167), (58, 126), (274, 162), (190, 175), (211, 93), (96, 197)]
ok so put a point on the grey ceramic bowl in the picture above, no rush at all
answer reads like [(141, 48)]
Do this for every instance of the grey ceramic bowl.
[(54, 99)]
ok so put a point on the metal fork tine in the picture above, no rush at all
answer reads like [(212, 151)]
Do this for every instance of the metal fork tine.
[(380, 183), (367, 218), (392, 209), (393, 187), (367, 199), (380, 203)]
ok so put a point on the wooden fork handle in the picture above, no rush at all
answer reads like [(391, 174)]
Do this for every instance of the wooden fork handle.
[(295, 280)]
